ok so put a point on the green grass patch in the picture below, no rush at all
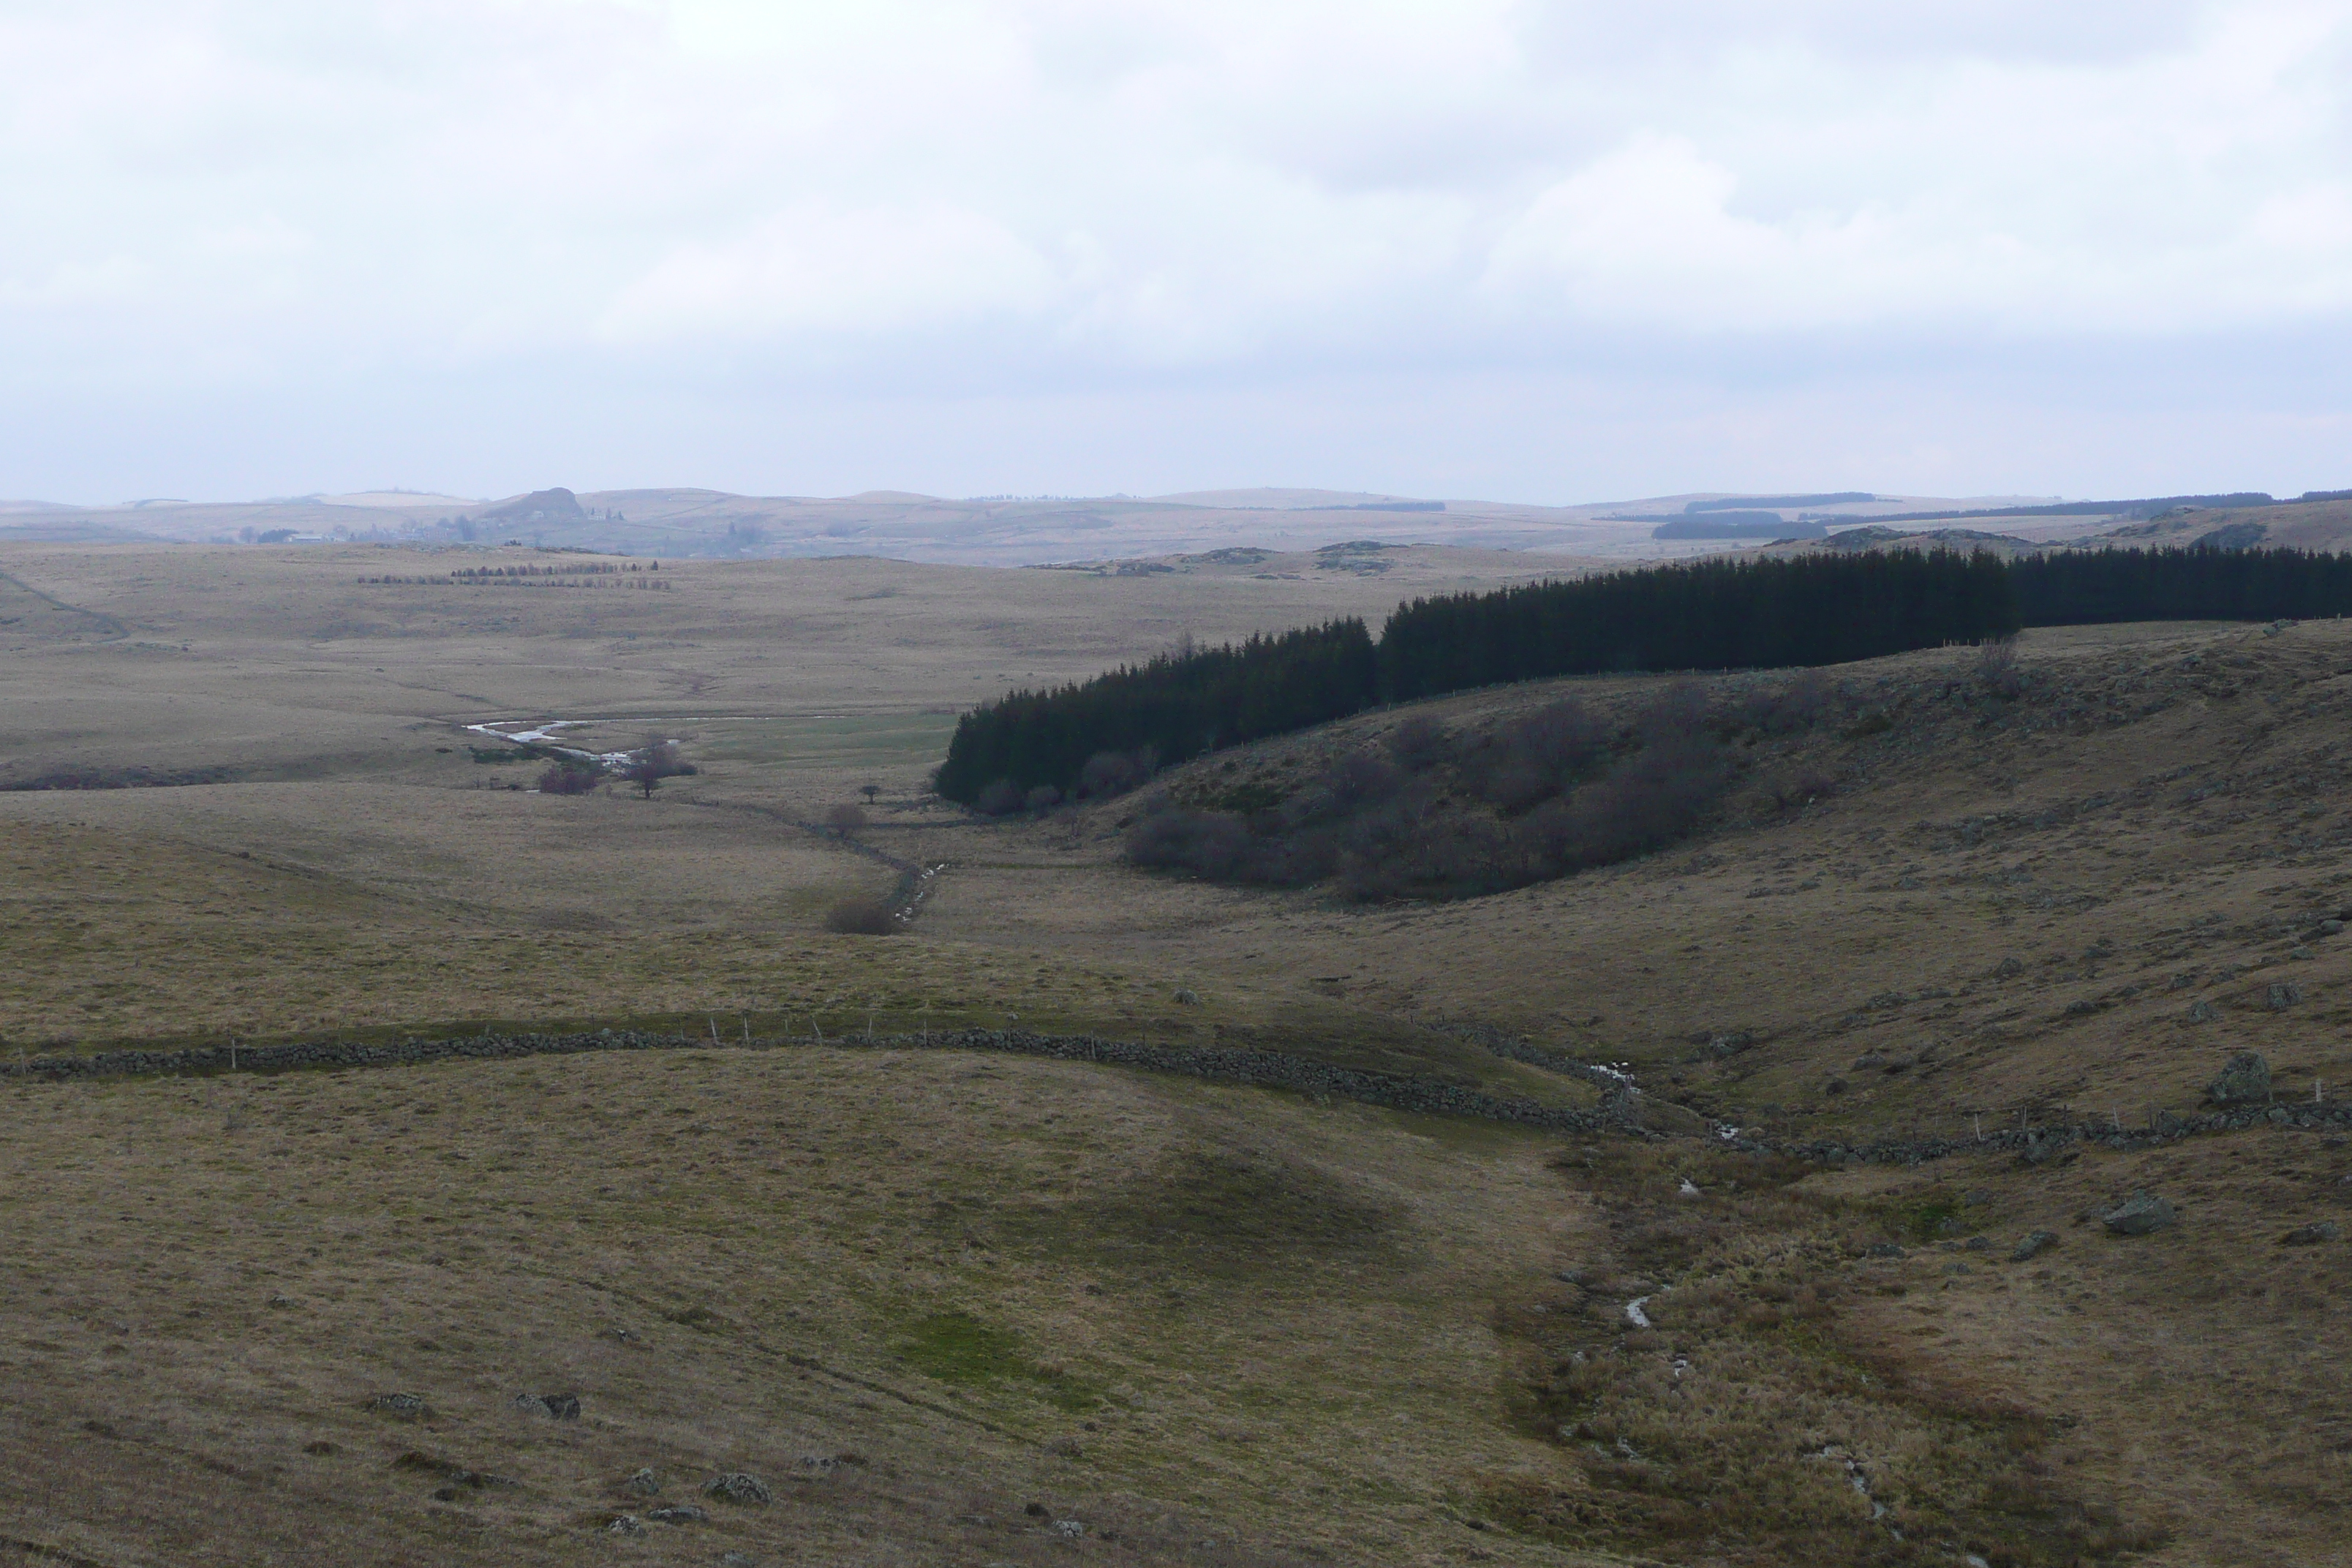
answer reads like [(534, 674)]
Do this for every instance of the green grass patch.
[(956, 1347), (1925, 1219)]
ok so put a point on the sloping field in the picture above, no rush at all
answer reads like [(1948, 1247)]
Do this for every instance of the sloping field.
[(916, 1291)]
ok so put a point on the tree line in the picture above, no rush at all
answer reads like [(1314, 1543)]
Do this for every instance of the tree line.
[(2174, 583), (1099, 736), (1163, 712)]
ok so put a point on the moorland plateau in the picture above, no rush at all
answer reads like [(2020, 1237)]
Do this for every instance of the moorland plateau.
[(959, 1306)]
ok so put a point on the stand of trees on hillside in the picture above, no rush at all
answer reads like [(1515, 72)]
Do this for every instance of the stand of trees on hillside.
[(1102, 736), (2196, 583), (1108, 733), (1706, 615)]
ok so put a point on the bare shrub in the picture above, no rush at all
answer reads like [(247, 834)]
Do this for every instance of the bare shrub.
[(1531, 759), (1045, 797), (1796, 787), (1654, 798), (861, 917), (1108, 773), (1997, 669), (1789, 710), (654, 760), (1220, 848), (1000, 799), (1420, 743), (569, 776), (1207, 843), (845, 819)]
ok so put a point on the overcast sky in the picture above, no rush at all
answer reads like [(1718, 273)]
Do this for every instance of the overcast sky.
[(1520, 251)]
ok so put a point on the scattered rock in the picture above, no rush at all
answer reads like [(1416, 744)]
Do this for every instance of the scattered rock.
[(407, 1406), (1883, 1250), (282, 1303), (2137, 1214), (2202, 1012), (1034, 1509), (819, 1464), (1979, 1244), (2331, 927), (1835, 1086), (1187, 998), (624, 1524), (2035, 1243), (2281, 994), (2311, 1235), (737, 1486), (1071, 1527), (2244, 1079), (2008, 969), (643, 1482), (561, 1407), (736, 1560), (1063, 1448), (678, 1513), (530, 1405)]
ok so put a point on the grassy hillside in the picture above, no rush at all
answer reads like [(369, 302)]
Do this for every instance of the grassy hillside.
[(915, 1292)]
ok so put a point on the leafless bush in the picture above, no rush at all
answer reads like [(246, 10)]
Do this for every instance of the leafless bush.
[(570, 777), (1797, 787), (1420, 743), (654, 760), (1108, 773), (845, 819), (1529, 760), (1219, 847), (861, 917), (1000, 799), (1997, 669), (1787, 710)]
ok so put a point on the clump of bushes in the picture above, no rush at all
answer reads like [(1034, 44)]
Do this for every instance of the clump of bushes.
[(570, 775), (1102, 776), (1440, 814), (861, 917)]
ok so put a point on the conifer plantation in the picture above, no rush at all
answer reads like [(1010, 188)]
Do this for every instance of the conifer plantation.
[(1774, 613)]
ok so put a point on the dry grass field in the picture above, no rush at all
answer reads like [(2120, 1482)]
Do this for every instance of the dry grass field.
[(912, 1290)]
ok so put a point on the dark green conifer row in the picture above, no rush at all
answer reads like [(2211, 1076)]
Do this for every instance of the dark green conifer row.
[(2096, 587), (1824, 608)]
